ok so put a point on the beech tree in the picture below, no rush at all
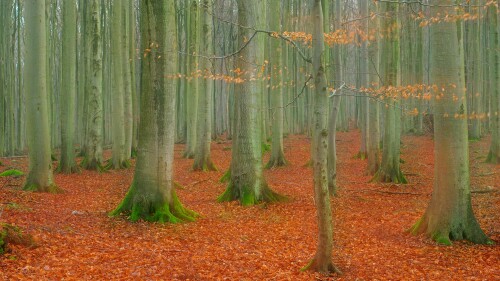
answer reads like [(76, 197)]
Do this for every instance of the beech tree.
[(246, 178), (40, 176), (389, 170), (322, 261), (67, 163), (151, 195), (449, 215), (494, 75), (202, 159), (93, 156)]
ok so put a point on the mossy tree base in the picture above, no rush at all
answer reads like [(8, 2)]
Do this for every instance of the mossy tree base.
[(92, 165), (10, 234), (321, 267), (153, 207), (443, 233), (33, 187), (492, 158), (247, 197), (226, 177), (394, 176), (361, 155), (205, 166), (125, 164), (68, 169), (276, 162), (188, 155)]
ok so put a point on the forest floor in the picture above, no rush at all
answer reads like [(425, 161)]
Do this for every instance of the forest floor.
[(76, 240)]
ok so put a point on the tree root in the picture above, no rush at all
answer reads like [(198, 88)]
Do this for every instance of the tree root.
[(247, 196)]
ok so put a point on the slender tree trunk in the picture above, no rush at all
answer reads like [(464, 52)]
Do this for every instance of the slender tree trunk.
[(202, 159), (127, 81), (322, 261), (93, 158), (389, 64), (119, 156), (193, 81), (277, 91), (67, 162), (40, 177), (494, 72), (373, 136), (151, 195), (449, 214)]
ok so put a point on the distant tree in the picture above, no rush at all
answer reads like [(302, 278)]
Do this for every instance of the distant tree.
[(152, 196), (40, 176), (449, 214)]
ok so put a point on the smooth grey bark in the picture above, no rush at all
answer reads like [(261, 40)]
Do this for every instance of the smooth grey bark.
[(93, 157), (494, 77), (246, 179), (449, 215), (119, 159), (202, 155), (40, 176), (152, 196), (277, 89), (67, 163), (193, 80), (322, 261)]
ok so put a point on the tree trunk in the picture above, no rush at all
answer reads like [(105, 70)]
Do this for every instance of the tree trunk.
[(93, 157), (151, 195), (202, 159), (322, 261), (247, 183), (119, 158), (277, 91), (67, 162), (449, 214), (40, 177), (389, 66), (494, 72), (193, 81)]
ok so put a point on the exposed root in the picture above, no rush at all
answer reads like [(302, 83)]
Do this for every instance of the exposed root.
[(92, 165), (125, 164), (226, 177), (492, 158), (10, 234), (72, 169), (205, 166)]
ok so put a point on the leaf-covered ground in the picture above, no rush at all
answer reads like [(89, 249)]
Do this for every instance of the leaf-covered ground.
[(78, 241)]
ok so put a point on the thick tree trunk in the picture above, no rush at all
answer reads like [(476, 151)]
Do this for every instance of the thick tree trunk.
[(449, 214), (151, 195), (40, 177), (247, 183)]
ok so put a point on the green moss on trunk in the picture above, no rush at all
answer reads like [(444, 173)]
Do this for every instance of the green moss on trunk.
[(125, 164), (92, 165), (276, 162), (226, 177), (247, 197), (37, 188), (395, 176), (153, 208)]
